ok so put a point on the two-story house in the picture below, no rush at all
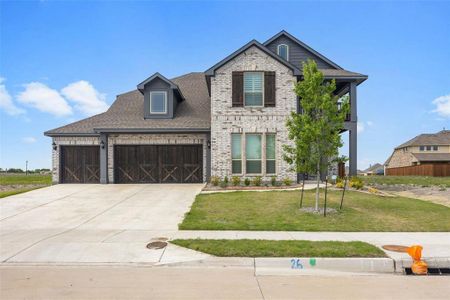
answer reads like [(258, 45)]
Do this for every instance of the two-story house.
[(226, 121), (427, 154)]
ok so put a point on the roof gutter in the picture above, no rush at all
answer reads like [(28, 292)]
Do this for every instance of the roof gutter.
[(51, 134), (151, 130)]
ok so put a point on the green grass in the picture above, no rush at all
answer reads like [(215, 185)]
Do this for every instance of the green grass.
[(6, 179), (411, 180), (278, 210), (17, 191), (267, 248)]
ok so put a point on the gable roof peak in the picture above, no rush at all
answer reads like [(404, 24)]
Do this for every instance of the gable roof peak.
[(141, 85), (253, 42), (301, 44)]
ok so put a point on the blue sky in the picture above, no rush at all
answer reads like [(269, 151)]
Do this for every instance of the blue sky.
[(62, 61)]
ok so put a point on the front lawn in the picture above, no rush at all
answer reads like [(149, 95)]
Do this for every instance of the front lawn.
[(12, 184), (267, 248), (409, 180), (10, 179), (278, 210)]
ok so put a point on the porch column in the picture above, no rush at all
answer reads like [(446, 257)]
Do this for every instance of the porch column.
[(353, 148), (103, 158)]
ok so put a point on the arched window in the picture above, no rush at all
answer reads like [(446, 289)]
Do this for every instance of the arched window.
[(283, 51)]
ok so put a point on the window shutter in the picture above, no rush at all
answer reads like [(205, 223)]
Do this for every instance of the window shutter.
[(238, 89), (269, 89)]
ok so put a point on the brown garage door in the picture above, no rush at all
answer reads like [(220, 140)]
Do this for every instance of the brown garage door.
[(80, 164), (158, 164)]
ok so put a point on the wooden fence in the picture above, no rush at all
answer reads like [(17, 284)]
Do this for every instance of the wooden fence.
[(436, 170)]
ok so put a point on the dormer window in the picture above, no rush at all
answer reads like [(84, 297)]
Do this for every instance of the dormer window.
[(283, 51), (158, 102)]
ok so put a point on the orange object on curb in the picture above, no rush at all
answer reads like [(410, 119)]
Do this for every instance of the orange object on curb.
[(419, 267)]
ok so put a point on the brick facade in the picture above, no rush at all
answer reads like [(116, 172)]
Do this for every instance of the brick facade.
[(226, 119), (400, 158)]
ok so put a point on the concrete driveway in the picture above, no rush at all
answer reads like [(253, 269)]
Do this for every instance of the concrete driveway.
[(94, 223)]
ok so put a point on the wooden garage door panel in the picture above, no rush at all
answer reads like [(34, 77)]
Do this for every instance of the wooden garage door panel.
[(158, 163), (80, 164)]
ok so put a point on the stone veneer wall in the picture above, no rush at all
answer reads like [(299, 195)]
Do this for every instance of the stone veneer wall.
[(154, 139), (68, 141), (226, 119), (400, 159)]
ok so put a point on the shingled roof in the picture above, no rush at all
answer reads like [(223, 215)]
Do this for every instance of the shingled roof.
[(428, 139), (432, 156), (127, 112)]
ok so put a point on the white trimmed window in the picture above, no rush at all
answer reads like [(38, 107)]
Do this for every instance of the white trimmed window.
[(236, 153), (283, 51), (270, 154), (253, 88), (253, 157), (158, 102)]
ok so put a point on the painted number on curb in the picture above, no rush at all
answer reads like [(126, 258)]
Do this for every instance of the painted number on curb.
[(295, 264)]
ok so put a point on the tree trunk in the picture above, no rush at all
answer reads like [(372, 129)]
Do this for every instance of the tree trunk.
[(317, 188)]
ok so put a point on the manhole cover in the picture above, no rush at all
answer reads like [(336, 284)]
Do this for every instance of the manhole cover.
[(156, 245)]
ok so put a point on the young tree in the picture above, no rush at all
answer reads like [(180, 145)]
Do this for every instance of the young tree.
[(315, 131)]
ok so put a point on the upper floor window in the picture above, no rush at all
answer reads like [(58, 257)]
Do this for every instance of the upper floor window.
[(158, 102), (253, 88), (428, 148), (283, 51)]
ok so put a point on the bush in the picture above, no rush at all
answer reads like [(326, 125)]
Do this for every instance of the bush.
[(223, 184), (215, 180), (236, 180), (225, 180), (356, 183), (247, 181), (340, 183), (287, 181), (257, 181), (273, 180)]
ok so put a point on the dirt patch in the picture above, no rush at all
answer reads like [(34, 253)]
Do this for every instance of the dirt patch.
[(16, 187), (437, 195)]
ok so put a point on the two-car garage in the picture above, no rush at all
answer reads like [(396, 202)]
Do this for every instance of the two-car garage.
[(134, 164)]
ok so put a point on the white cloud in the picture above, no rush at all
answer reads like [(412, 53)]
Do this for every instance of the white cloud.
[(29, 140), (369, 123), (442, 106), (86, 98), (6, 102), (45, 99), (360, 127)]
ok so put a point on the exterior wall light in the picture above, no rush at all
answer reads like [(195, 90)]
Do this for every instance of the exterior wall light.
[(102, 144), (208, 143), (54, 146)]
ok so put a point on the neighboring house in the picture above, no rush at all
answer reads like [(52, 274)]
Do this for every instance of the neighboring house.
[(426, 154), (376, 169), (226, 121)]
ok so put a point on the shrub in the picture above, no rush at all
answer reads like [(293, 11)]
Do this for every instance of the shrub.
[(215, 180), (236, 180), (340, 183), (257, 181), (223, 184), (273, 180), (356, 183), (287, 181), (247, 181), (225, 180)]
